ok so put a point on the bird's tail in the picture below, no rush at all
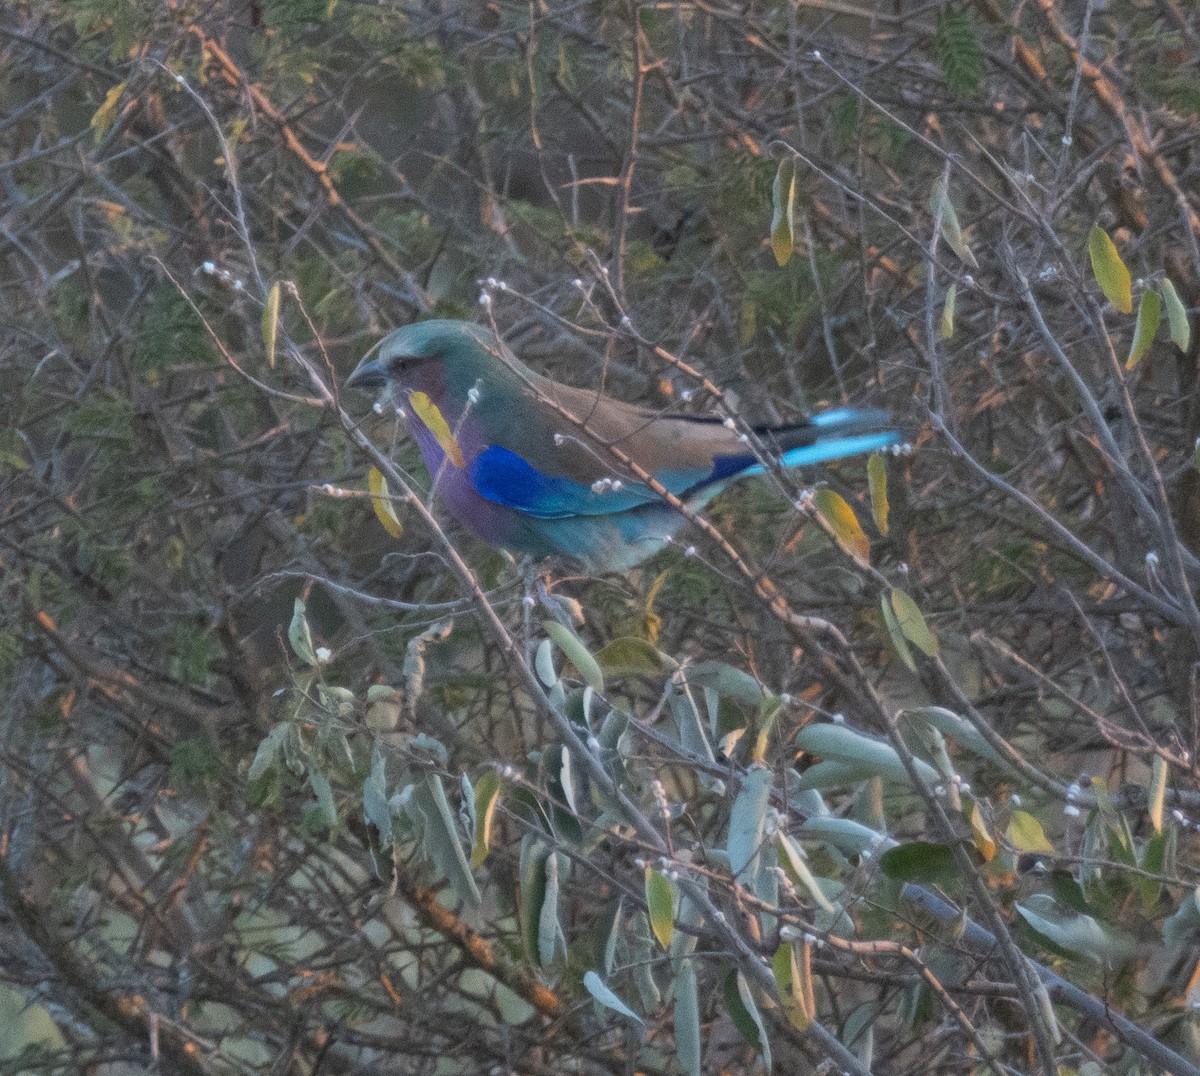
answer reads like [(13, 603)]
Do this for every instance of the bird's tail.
[(833, 435)]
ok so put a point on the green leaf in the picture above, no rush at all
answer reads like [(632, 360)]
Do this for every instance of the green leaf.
[(660, 901), (1026, 834), (487, 796), (1177, 316), (327, 811), (532, 894), (844, 523), (1148, 316), (956, 47), (783, 206), (630, 654), (270, 323), (793, 982), (441, 841), (747, 823), (299, 635), (1109, 270), (920, 861), (912, 623), (600, 991), (576, 653), (104, 117), (745, 1015), (877, 485), (896, 635), (687, 1020), (947, 323)]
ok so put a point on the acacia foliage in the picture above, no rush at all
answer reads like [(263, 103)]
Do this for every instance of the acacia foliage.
[(901, 774)]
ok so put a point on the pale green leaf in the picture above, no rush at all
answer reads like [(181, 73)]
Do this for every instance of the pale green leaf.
[(842, 744), (747, 823), (947, 219), (1157, 792), (601, 992), (687, 1020), (660, 902), (1026, 834), (1177, 316), (912, 623), (299, 635), (896, 635), (576, 653), (946, 325)]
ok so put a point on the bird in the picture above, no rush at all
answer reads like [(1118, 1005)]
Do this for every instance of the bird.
[(535, 466)]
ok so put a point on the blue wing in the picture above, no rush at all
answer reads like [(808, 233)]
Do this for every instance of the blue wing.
[(505, 478)]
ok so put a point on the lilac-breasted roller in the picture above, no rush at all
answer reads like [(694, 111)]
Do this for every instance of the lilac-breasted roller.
[(535, 466)]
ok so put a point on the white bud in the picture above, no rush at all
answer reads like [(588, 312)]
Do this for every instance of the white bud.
[(577, 283), (1071, 811), (491, 282), (1066, 140), (616, 483), (209, 267), (838, 719), (816, 54), (1152, 560), (473, 394), (558, 438), (686, 395), (689, 551), (323, 654), (485, 299), (626, 321), (729, 423)]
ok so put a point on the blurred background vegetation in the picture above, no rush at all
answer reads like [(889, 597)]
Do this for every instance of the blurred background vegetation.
[(912, 786)]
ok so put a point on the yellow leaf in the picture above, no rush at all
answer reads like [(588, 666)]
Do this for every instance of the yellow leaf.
[(1148, 317), (943, 210), (783, 203), (429, 413), (877, 484), (844, 524), (378, 488), (104, 117), (652, 622), (270, 322), (1109, 270), (983, 839)]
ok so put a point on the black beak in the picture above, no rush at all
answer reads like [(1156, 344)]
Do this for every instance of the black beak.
[(368, 375)]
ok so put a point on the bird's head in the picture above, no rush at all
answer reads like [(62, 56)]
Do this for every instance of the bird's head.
[(426, 355)]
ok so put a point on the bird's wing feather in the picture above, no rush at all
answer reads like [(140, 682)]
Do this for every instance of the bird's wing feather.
[(505, 478)]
